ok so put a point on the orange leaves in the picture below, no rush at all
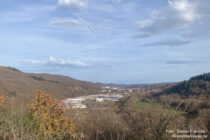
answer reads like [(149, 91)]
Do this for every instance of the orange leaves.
[(50, 117), (2, 100)]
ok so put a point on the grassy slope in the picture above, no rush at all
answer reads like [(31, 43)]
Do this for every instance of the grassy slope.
[(140, 105), (144, 106)]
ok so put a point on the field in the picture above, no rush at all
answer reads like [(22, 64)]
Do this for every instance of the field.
[(150, 106)]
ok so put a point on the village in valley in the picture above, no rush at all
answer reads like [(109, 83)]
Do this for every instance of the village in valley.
[(108, 94)]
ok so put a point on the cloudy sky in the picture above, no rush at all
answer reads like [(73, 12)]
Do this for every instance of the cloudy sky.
[(112, 41)]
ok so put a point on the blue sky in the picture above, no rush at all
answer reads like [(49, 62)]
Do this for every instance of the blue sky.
[(111, 41)]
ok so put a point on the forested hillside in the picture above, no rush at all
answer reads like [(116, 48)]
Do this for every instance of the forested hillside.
[(190, 96), (194, 86)]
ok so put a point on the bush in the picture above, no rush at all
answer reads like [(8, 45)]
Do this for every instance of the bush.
[(103, 125), (14, 69), (37, 78), (2, 100), (50, 118), (12, 94)]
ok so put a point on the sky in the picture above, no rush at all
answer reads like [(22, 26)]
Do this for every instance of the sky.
[(107, 41)]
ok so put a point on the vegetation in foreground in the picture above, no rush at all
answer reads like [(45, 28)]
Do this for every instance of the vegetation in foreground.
[(145, 115), (130, 119), (41, 120)]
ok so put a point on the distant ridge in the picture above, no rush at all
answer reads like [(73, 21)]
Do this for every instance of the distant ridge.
[(194, 86), (13, 82)]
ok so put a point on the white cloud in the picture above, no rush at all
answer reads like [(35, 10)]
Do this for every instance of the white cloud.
[(179, 14), (201, 30), (72, 24), (185, 9), (57, 62), (73, 3)]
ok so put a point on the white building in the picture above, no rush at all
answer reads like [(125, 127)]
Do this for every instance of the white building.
[(99, 100), (103, 90)]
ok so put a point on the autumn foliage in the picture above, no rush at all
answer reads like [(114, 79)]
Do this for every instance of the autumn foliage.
[(2, 100), (51, 118)]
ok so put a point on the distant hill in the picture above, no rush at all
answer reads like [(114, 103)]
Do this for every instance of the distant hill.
[(140, 86), (194, 86), (13, 82)]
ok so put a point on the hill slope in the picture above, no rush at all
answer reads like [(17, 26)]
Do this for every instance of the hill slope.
[(14, 82), (194, 86)]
